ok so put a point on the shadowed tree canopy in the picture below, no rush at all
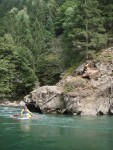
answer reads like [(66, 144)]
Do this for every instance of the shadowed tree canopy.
[(40, 39)]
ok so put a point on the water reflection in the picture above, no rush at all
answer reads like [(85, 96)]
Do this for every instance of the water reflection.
[(25, 125)]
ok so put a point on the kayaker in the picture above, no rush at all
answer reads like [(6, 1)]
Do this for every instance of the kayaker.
[(26, 113)]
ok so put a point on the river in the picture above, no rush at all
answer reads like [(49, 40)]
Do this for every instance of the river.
[(55, 132)]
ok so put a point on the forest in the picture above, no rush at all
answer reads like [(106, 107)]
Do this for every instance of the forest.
[(41, 39)]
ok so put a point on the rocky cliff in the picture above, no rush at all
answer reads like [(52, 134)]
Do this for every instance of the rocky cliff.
[(88, 91)]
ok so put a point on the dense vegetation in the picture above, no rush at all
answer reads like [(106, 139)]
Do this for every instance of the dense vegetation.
[(39, 39)]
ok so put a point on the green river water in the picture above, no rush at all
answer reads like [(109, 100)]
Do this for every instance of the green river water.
[(55, 132)]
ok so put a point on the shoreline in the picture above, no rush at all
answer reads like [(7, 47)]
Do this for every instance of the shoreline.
[(17, 104), (7, 103), (10, 103)]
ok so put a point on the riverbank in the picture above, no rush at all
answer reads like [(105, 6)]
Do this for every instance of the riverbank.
[(10, 103)]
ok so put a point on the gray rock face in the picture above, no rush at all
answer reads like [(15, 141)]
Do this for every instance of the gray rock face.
[(48, 98), (88, 92)]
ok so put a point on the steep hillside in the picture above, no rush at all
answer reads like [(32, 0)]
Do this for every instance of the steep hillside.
[(87, 91)]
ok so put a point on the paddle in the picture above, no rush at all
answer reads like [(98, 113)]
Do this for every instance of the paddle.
[(35, 116), (16, 115)]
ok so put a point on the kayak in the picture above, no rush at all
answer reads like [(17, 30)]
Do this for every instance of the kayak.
[(19, 117), (22, 118)]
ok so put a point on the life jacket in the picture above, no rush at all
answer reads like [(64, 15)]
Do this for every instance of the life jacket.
[(25, 113)]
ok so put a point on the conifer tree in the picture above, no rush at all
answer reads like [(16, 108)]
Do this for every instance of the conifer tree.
[(82, 26), (107, 13), (8, 61)]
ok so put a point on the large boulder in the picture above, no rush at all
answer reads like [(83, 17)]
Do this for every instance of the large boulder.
[(47, 98)]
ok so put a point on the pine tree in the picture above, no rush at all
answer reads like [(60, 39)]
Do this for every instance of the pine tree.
[(82, 27), (8, 61), (17, 23), (107, 12)]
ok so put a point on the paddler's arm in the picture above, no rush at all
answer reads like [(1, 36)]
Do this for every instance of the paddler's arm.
[(21, 114), (30, 112)]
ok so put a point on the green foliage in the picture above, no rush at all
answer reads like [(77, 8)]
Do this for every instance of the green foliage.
[(27, 45), (82, 26), (68, 88), (39, 39), (17, 23), (26, 70), (16, 68), (8, 57), (107, 13), (50, 69), (71, 69)]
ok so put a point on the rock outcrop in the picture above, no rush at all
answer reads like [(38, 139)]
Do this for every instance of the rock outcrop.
[(47, 98), (89, 91)]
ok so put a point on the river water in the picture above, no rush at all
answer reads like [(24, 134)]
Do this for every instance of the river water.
[(55, 132)]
